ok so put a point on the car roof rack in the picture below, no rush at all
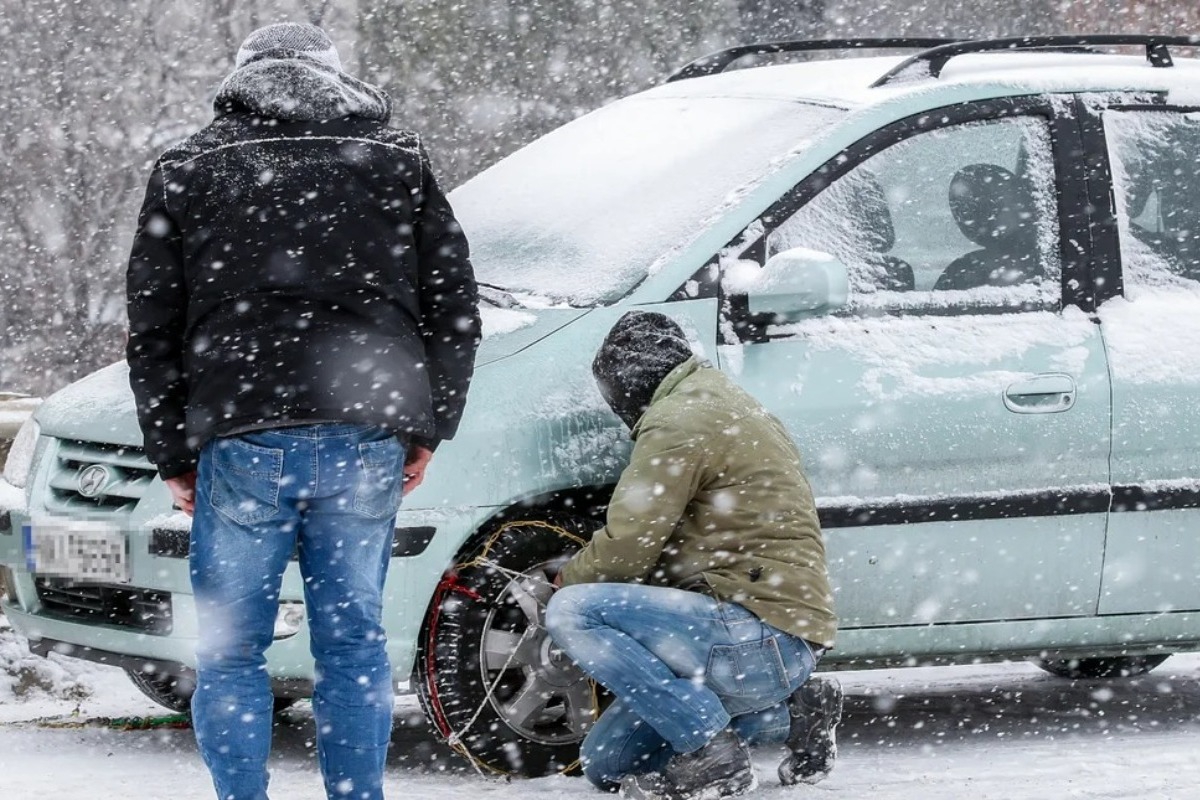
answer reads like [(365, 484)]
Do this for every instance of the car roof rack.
[(716, 62), (936, 57)]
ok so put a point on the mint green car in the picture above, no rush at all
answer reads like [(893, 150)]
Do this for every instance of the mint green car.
[(967, 281)]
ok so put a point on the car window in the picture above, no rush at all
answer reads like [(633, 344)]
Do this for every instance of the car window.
[(1155, 158), (946, 216)]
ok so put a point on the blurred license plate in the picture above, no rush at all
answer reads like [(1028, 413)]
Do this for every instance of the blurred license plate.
[(79, 549)]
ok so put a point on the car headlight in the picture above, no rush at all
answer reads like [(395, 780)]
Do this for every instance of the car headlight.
[(20, 456)]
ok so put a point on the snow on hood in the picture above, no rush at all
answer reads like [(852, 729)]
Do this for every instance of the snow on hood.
[(98, 408), (499, 321), (509, 330), (101, 408)]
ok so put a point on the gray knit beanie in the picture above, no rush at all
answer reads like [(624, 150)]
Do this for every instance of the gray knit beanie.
[(289, 40)]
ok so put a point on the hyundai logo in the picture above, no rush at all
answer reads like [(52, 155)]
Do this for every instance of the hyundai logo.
[(93, 479)]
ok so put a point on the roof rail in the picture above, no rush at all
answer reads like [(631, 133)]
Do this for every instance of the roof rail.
[(716, 62), (936, 58)]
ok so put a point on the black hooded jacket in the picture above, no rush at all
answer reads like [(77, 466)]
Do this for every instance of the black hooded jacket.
[(299, 269)]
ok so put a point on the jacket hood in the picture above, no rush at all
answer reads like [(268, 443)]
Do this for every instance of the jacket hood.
[(299, 89)]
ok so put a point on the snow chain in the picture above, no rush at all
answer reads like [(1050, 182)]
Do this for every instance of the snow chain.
[(483, 559), (177, 721)]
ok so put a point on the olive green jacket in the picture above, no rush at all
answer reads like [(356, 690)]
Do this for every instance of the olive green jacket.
[(714, 493)]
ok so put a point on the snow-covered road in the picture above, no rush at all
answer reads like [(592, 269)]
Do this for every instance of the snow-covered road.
[(1005, 731)]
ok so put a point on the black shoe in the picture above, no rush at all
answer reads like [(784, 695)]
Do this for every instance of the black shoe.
[(721, 768), (816, 710)]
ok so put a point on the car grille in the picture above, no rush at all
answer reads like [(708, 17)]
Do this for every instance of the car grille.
[(136, 609), (123, 478)]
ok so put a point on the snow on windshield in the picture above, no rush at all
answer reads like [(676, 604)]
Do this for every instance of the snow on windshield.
[(579, 216)]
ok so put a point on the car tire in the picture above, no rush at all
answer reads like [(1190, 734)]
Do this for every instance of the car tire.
[(167, 690), (489, 678), (175, 692), (1114, 667)]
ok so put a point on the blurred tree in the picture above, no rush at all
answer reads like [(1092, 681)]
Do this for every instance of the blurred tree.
[(92, 92), (951, 18), (1132, 16), (479, 79), (769, 20)]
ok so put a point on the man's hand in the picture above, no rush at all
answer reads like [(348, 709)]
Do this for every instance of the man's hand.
[(414, 466), (183, 491)]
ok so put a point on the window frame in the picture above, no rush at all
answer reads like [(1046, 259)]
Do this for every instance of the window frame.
[(1070, 189)]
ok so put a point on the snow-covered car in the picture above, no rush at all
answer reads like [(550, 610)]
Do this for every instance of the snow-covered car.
[(967, 281)]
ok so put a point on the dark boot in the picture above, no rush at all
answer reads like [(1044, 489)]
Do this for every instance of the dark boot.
[(721, 768), (816, 710)]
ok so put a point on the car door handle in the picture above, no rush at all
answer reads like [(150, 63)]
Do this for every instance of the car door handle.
[(1041, 394)]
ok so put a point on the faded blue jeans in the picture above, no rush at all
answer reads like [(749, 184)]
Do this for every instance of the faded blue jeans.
[(327, 493), (683, 667)]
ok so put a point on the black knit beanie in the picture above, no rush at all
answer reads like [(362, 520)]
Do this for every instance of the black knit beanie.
[(634, 358)]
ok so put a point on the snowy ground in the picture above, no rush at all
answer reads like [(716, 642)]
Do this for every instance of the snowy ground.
[(1005, 731)]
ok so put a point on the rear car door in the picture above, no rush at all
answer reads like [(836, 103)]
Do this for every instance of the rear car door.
[(954, 414), (1152, 332)]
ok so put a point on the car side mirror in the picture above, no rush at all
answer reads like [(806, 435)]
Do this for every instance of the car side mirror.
[(793, 284)]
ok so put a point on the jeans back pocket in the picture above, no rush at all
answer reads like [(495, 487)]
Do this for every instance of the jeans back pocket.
[(748, 676), (381, 478), (245, 480)]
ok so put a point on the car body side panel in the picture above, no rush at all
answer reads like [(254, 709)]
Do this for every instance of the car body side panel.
[(920, 433), (1152, 561), (1113, 635)]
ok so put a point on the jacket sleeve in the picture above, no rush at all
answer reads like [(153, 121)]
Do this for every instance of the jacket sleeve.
[(156, 300), (652, 495), (449, 301)]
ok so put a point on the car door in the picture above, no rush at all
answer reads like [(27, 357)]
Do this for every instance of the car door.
[(953, 414), (1152, 332)]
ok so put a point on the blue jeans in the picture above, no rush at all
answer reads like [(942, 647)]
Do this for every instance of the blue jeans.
[(328, 494), (683, 667)]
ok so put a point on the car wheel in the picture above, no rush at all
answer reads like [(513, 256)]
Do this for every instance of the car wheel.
[(1115, 667), (490, 679), (175, 692)]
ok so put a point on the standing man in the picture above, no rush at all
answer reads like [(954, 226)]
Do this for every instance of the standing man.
[(302, 332), (703, 604)]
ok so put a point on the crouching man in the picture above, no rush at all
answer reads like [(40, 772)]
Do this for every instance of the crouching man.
[(703, 604)]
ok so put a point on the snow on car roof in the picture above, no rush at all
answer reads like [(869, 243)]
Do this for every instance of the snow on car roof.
[(846, 82)]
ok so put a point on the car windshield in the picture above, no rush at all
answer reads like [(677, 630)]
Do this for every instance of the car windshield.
[(579, 216)]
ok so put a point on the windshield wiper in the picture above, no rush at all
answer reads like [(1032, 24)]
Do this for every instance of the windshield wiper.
[(498, 297)]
